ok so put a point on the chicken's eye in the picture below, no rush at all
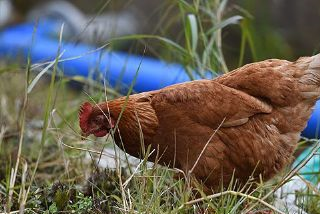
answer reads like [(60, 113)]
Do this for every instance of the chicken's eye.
[(99, 119)]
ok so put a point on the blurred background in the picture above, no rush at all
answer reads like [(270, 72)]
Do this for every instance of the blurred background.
[(279, 29)]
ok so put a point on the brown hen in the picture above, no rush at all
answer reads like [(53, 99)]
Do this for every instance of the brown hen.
[(244, 123)]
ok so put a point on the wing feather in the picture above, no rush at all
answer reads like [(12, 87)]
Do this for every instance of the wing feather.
[(208, 102)]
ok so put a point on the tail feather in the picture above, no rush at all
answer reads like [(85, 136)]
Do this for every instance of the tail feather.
[(309, 70), (310, 78), (315, 62)]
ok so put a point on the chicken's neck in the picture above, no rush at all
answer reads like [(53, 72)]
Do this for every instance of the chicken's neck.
[(136, 123)]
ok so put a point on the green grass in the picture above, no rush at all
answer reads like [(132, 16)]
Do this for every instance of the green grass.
[(47, 168)]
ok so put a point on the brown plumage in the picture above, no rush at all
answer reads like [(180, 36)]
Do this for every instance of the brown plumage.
[(258, 111)]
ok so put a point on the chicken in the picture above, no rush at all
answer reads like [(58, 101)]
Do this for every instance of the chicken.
[(244, 124)]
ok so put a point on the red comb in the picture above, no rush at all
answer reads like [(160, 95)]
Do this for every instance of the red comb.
[(84, 113)]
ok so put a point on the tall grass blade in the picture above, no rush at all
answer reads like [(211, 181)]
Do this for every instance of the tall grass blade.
[(45, 70), (192, 31), (229, 21)]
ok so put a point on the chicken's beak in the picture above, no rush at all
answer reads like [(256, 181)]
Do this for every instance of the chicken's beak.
[(84, 135)]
